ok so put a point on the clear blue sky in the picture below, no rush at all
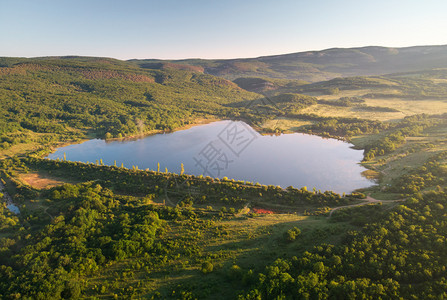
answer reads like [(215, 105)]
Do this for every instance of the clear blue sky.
[(213, 29)]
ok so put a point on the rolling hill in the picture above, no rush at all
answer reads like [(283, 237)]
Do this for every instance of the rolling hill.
[(107, 97), (316, 66)]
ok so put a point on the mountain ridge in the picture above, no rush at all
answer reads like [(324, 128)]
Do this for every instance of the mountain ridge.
[(321, 65), (311, 66)]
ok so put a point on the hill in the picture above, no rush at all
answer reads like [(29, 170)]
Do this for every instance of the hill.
[(62, 98), (323, 65)]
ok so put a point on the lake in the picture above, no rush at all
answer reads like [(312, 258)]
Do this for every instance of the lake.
[(234, 150)]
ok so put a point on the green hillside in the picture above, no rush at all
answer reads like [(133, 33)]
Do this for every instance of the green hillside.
[(61, 98)]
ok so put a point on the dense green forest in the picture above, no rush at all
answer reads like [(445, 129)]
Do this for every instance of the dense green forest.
[(402, 255), (108, 232)]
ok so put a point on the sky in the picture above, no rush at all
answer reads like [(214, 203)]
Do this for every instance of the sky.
[(171, 29)]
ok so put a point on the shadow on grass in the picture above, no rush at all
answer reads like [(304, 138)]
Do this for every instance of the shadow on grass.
[(248, 253)]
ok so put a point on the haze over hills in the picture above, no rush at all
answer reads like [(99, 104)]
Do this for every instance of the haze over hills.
[(316, 66)]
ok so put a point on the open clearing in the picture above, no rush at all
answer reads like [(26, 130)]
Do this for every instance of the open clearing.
[(406, 107), (40, 180), (287, 124), (411, 107)]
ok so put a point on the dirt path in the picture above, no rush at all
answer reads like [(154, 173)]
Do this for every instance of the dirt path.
[(368, 200), (45, 211)]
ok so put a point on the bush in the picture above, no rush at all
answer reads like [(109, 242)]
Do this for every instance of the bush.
[(291, 234), (207, 267)]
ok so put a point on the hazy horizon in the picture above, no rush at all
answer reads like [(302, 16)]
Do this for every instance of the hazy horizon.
[(219, 58), (213, 30)]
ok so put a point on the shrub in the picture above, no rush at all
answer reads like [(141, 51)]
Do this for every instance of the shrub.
[(207, 267), (291, 234)]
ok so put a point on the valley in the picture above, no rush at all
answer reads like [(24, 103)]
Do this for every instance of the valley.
[(97, 229)]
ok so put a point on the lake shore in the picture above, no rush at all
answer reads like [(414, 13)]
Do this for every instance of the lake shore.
[(196, 122)]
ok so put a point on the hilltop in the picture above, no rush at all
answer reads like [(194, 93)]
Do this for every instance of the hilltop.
[(315, 66)]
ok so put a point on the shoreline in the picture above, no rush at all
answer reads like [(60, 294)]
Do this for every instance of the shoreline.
[(197, 122)]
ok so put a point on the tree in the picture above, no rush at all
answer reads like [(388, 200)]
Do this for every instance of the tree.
[(207, 267), (318, 267), (291, 234), (333, 91), (72, 290), (182, 169)]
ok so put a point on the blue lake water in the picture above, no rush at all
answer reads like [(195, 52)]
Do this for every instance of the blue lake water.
[(234, 150)]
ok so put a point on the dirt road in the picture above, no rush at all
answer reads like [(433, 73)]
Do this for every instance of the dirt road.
[(368, 200)]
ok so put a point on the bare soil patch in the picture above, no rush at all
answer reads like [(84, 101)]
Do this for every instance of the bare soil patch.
[(39, 180)]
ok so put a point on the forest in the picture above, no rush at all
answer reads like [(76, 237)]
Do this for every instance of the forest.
[(113, 218)]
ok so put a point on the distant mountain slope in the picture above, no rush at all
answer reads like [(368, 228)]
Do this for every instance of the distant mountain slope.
[(316, 66), (430, 84)]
